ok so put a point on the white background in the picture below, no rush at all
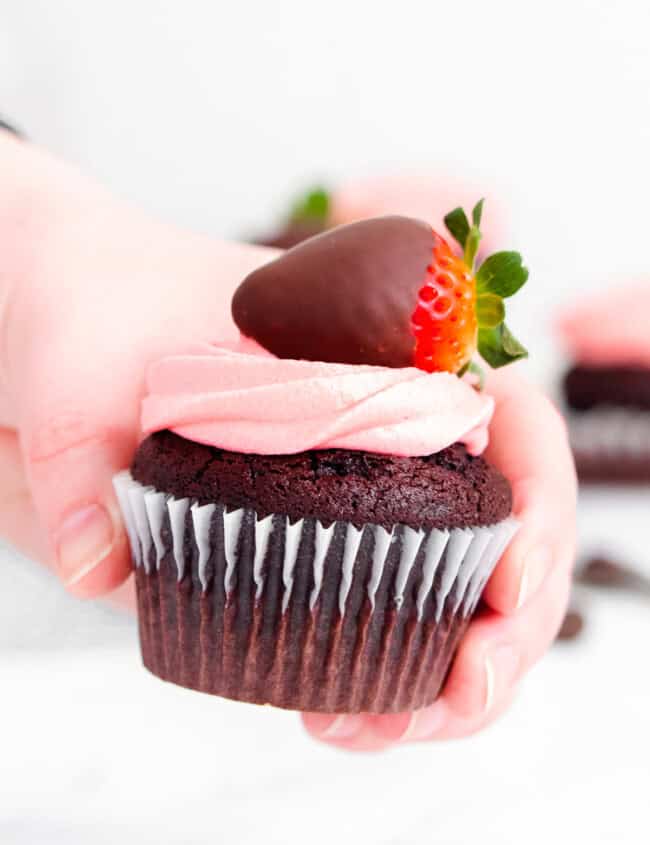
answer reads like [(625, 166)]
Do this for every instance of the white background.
[(211, 114)]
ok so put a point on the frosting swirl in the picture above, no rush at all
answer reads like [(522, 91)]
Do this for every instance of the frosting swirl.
[(244, 399), (611, 328)]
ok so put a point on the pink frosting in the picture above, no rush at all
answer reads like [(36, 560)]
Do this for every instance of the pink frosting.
[(612, 328), (426, 195), (243, 399)]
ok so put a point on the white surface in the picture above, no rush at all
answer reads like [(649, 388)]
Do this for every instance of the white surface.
[(614, 521), (96, 750), (211, 114)]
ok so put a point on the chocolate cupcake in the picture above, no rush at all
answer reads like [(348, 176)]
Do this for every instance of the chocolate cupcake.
[(315, 531), (607, 388), (424, 195), (310, 215)]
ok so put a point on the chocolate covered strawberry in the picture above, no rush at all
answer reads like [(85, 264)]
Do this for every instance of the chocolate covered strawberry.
[(388, 291)]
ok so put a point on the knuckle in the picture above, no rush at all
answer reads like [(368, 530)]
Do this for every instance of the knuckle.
[(61, 433), (553, 417)]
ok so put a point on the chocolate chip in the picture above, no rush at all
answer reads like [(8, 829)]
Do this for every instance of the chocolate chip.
[(572, 625), (604, 572)]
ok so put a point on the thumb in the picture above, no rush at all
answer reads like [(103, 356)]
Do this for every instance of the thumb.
[(70, 457)]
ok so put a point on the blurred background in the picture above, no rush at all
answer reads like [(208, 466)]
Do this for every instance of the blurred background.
[(213, 116)]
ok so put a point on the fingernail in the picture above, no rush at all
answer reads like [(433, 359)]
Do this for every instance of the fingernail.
[(391, 727), (425, 724), (533, 571), (501, 667), (341, 726), (85, 539)]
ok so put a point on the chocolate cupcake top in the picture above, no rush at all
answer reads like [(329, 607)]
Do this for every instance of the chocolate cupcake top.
[(449, 489)]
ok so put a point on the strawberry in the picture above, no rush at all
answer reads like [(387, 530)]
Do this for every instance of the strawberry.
[(459, 311), (444, 321), (387, 291)]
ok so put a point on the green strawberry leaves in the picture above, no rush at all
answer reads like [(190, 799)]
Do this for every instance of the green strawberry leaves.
[(458, 224), (467, 236), (499, 347), (313, 207), (500, 276), (477, 213), (490, 310), (475, 370)]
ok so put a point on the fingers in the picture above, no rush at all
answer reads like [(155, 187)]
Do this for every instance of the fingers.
[(75, 374), (493, 657), (19, 523), (530, 585), (93, 297), (70, 459), (350, 731), (124, 596), (530, 446), (498, 650), (367, 732)]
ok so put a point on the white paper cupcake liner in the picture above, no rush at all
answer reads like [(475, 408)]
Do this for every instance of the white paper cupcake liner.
[(611, 430), (332, 617), (611, 444)]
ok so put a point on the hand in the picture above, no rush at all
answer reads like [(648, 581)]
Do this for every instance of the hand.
[(526, 597), (92, 290)]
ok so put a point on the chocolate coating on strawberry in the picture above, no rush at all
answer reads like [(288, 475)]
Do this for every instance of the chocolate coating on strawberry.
[(345, 296)]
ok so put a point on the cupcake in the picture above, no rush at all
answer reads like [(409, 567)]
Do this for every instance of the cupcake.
[(310, 215), (311, 519), (607, 387)]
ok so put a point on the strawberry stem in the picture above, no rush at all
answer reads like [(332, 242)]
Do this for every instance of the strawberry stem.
[(477, 371), (471, 246)]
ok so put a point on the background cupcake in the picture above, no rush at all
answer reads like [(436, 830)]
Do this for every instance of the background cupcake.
[(425, 195), (309, 215), (311, 520), (607, 388)]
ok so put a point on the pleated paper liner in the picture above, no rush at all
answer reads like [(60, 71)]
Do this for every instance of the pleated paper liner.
[(304, 616), (611, 444)]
